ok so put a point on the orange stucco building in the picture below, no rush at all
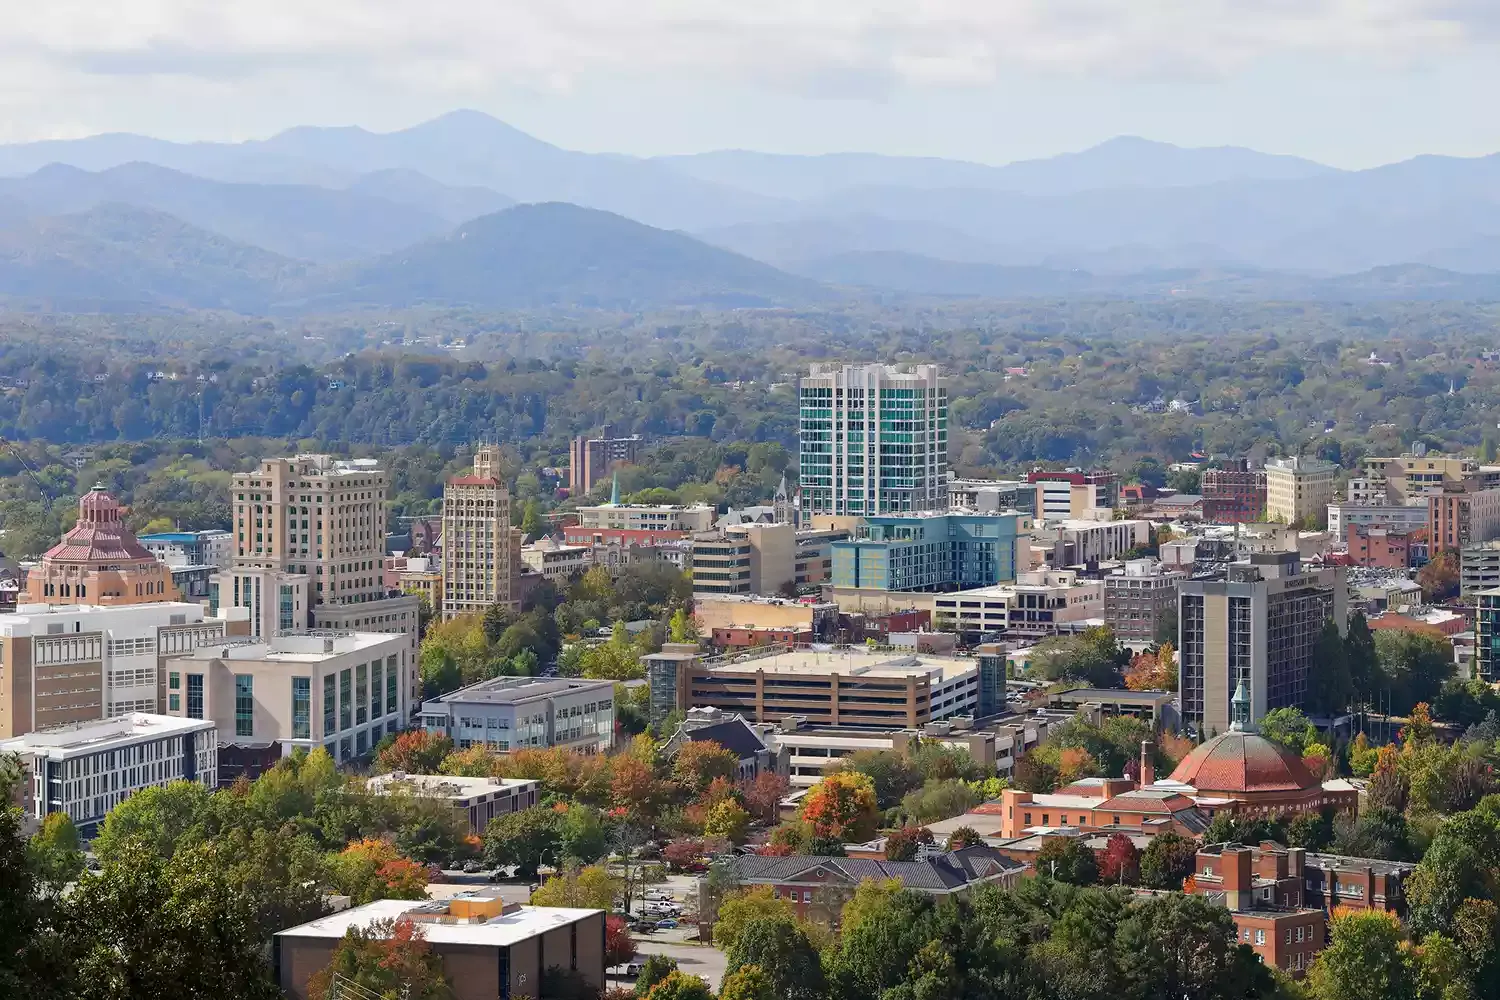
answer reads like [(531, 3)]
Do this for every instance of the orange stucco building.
[(99, 561)]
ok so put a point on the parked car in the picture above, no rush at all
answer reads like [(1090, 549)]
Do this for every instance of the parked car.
[(633, 969), (666, 925), (473, 868), (643, 926)]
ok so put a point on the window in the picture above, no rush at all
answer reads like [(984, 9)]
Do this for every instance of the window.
[(244, 705), (174, 702), (174, 681), (346, 700), (301, 708), (1289, 935), (361, 694), (807, 895), (390, 685), (376, 710), (330, 706), (1260, 937), (195, 696)]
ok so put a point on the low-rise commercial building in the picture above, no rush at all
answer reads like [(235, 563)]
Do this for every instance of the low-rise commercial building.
[(84, 770), (671, 518), (1038, 604), (1406, 517), (744, 559), (477, 800), (927, 552), (81, 663), (848, 687), (214, 547), (809, 752), (989, 496), (1073, 493), (1138, 597), (1458, 517), (342, 691), (1379, 548), (715, 612), (514, 713), (557, 561), (1077, 542), (489, 948), (1234, 493)]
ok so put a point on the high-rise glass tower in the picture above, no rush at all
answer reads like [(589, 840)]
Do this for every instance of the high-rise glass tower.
[(873, 439)]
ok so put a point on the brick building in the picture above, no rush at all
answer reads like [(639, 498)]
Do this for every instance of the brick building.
[(1379, 548), (1234, 494), (1262, 889)]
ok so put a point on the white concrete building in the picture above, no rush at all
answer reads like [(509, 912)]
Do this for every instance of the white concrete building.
[(512, 713), (1039, 603), (338, 690), (72, 663), (557, 561), (86, 769), (1405, 517)]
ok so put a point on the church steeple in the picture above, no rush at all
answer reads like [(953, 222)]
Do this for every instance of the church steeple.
[(1239, 710)]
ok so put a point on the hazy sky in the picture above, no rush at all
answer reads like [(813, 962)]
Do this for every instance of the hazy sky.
[(1349, 82)]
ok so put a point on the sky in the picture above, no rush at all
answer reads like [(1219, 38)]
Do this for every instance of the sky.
[(1351, 83)]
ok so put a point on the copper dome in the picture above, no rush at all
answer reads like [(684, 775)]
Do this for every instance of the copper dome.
[(1241, 761)]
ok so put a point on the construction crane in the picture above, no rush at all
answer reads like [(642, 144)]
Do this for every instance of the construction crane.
[(48, 497)]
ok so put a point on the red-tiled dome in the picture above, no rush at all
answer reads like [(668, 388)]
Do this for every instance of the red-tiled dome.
[(1243, 762)]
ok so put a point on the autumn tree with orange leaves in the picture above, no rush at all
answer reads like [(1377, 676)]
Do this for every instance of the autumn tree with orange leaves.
[(415, 751), (372, 869), (842, 806), (386, 958)]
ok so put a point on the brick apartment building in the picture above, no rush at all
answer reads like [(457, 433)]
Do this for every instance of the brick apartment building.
[(1234, 494), (1379, 548), (1262, 887)]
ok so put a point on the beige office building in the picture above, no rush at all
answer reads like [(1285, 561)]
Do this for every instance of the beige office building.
[(1299, 489), (1257, 625), (744, 559), (339, 691), (81, 663), (309, 548), (481, 552)]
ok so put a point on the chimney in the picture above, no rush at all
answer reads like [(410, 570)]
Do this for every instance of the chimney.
[(1148, 762)]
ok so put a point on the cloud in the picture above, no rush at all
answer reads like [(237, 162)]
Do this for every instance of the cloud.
[(801, 45)]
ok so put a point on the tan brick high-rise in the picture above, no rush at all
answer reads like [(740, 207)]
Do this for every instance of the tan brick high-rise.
[(481, 552)]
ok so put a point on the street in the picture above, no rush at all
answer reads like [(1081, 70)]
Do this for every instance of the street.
[(694, 959)]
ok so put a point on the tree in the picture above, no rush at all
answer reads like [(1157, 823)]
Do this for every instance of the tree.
[(1167, 860), (842, 805), (1439, 578), (1330, 684), (531, 520), (1311, 831), (727, 820), (1153, 671), (372, 869), (1365, 961), (415, 751), (591, 888), (739, 908), (681, 853), (902, 844), (526, 839), (748, 983), (1066, 859), (1362, 657), (699, 762), (678, 985), (964, 836), (389, 958), (151, 926), (1412, 666), (161, 816), (763, 795), (633, 785), (1121, 862), (893, 775), (619, 946), (1362, 757), (56, 851), (780, 948), (682, 627), (581, 836), (1173, 945), (1460, 864), (32, 962), (653, 970), (1289, 728)]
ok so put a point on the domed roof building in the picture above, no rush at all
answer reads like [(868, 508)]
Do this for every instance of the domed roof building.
[(99, 561), (1260, 776)]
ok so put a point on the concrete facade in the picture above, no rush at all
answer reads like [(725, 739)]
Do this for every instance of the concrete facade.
[(1299, 489), (481, 552), (512, 713)]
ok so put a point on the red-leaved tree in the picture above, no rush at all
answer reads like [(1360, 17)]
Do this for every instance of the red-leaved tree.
[(1120, 864)]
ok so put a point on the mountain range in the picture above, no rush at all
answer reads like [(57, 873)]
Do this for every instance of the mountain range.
[(344, 214)]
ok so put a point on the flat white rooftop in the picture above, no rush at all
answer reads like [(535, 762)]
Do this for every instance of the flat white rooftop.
[(105, 734), (853, 663), (443, 785), (499, 932), (34, 619), (310, 648)]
